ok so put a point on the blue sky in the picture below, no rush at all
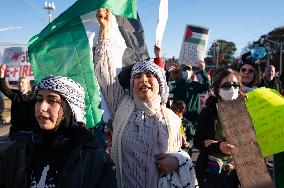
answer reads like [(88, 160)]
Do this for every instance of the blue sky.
[(239, 21)]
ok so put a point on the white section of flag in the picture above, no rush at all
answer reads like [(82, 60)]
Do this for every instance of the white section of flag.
[(162, 20), (117, 44)]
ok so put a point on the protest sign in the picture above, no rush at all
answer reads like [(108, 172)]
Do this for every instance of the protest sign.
[(193, 45), (17, 60), (249, 163), (266, 108)]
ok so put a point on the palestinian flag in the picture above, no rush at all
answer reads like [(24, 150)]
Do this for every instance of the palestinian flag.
[(193, 45), (65, 46), (196, 35)]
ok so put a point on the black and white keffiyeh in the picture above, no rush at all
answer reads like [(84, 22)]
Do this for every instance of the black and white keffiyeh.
[(159, 73), (72, 91)]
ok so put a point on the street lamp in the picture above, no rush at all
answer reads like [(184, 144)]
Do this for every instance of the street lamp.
[(49, 7), (277, 43)]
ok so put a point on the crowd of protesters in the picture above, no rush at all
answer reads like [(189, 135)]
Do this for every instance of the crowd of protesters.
[(151, 145)]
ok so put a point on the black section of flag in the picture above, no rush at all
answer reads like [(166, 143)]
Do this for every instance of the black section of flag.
[(133, 34), (198, 30)]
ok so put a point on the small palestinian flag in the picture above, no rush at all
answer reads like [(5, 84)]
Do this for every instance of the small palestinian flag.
[(193, 45), (196, 35)]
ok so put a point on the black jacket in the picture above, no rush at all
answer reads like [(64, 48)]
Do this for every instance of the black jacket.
[(86, 165), (273, 84), (206, 126), (22, 108)]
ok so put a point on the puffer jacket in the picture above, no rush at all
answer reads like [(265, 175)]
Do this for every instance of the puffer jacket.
[(86, 166)]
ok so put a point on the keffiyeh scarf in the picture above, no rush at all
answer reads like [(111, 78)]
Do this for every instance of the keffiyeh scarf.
[(159, 73), (72, 91)]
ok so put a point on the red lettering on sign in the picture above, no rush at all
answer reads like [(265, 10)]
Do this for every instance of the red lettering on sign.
[(31, 71), (25, 71), (15, 71), (21, 70), (7, 73)]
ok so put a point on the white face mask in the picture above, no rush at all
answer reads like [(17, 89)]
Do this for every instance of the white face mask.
[(230, 94), (186, 75)]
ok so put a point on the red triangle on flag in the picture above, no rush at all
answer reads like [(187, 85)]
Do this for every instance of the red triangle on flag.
[(188, 34)]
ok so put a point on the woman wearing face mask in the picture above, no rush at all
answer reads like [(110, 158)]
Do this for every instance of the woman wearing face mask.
[(213, 166), (22, 107), (146, 146), (62, 151), (249, 73)]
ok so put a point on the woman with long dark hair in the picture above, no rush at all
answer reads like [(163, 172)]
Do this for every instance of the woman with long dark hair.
[(214, 167), (62, 151)]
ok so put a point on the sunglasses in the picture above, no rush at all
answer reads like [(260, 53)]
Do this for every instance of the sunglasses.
[(229, 85), (244, 70)]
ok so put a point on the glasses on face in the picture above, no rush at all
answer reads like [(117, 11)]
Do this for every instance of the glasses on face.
[(244, 70), (229, 85)]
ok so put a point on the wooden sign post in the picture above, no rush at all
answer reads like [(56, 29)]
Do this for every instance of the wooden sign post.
[(238, 128)]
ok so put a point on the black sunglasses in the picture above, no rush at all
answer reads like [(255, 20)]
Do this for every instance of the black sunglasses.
[(243, 70), (228, 85)]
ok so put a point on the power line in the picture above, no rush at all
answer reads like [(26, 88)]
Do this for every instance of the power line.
[(171, 8), (10, 28), (183, 4), (147, 5), (35, 7), (11, 44), (260, 24)]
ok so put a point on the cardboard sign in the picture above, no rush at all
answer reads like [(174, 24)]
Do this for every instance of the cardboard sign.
[(266, 108), (249, 163), (193, 45)]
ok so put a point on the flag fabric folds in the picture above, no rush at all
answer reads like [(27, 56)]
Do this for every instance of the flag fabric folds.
[(64, 47)]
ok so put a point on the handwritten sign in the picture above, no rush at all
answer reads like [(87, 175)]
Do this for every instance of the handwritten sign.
[(237, 125), (193, 45), (13, 56), (17, 60), (24, 69), (266, 108)]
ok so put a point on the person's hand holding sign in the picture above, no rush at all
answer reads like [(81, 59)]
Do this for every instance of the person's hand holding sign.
[(201, 65), (226, 148), (3, 69)]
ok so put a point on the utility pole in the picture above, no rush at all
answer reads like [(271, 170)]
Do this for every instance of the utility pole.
[(49, 7), (217, 54), (279, 43), (281, 51)]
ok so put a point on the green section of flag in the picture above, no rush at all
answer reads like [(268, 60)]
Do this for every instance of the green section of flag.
[(197, 41), (62, 48)]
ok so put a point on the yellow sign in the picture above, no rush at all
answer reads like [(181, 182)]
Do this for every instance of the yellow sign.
[(266, 108)]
